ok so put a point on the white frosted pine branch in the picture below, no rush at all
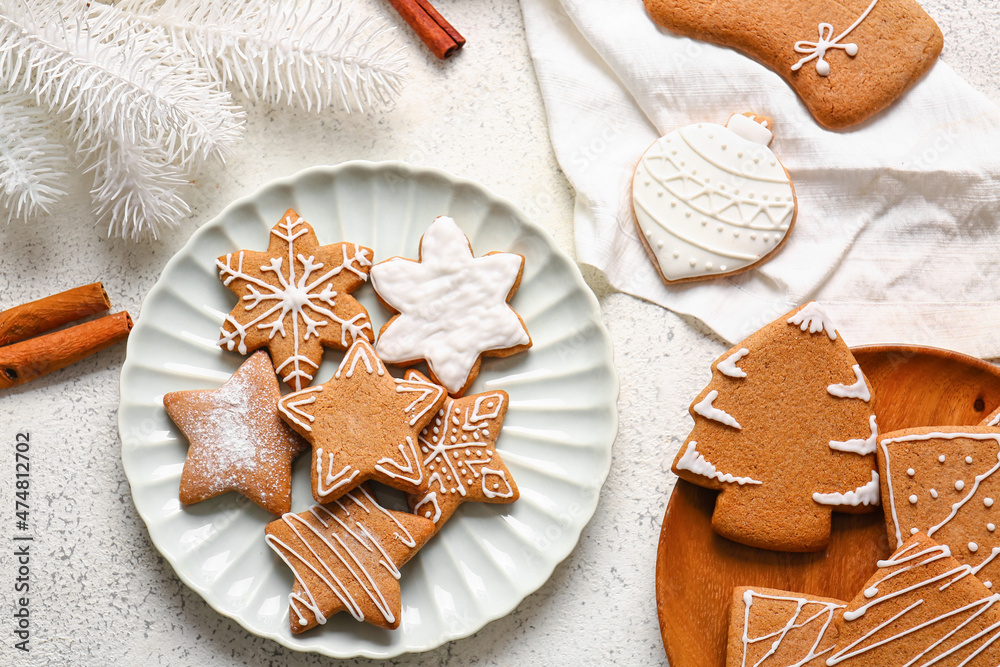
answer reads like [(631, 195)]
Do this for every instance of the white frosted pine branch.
[(31, 166), (308, 53), (136, 188), (111, 76)]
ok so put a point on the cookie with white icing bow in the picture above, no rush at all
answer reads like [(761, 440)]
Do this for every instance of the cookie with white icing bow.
[(712, 201), (453, 307), (786, 431), (847, 59)]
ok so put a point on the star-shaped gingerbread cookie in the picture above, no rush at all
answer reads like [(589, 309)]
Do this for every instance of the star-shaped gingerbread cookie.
[(346, 556), (461, 461), (363, 424), (452, 306), (294, 298), (238, 441)]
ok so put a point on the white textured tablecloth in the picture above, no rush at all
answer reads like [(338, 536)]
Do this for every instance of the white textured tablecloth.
[(898, 224)]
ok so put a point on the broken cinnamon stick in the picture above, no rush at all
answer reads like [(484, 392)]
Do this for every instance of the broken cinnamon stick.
[(432, 28), (30, 359), (30, 319)]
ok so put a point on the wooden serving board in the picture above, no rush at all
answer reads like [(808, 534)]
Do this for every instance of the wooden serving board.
[(696, 570)]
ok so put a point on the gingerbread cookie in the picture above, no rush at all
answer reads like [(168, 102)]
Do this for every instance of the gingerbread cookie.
[(786, 431), (922, 607), (364, 424), (993, 419), (452, 306), (772, 628), (294, 299), (346, 557), (846, 60), (712, 201), (943, 482), (461, 461), (237, 440)]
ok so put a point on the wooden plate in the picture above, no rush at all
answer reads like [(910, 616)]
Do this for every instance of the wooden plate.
[(696, 569)]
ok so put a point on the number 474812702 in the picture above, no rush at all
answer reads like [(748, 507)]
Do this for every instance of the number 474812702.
[(22, 475)]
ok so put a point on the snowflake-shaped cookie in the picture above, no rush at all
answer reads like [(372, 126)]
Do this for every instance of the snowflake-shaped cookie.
[(452, 306), (294, 299)]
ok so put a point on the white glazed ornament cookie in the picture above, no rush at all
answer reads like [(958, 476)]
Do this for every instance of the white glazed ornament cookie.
[(712, 201), (453, 306)]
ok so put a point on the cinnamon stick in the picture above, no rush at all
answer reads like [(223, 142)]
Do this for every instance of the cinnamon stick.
[(30, 359), (432, 28), (27, 320)]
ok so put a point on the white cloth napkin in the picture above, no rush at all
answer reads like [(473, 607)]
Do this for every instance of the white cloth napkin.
[(899, 219)]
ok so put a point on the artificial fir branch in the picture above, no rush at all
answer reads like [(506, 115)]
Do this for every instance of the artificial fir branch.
[(31, 166), (310, 53), (92, 64)]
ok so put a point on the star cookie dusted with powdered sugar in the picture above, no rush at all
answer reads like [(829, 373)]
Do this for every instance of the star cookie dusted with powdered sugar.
[(461, 461), (294, 298), (238, 441), (453, 306), (364, 424)]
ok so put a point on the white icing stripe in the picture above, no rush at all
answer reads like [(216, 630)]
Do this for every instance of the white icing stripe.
[(409, 470), (906, 564), (414, 384), (994, 421), (718, 252), (291, 406), (862, 446), (812, 318), (817, 50), (696, 463), (728, 365), (857, 390), (866, 495), (360, 351), (933, 436), (339, 552), (827, 608), (328, 482), (708, 411), (434, 514), (500, 492)]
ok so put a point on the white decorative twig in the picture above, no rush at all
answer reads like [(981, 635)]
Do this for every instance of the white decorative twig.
[(31, 166), (309, 53), (91, 63)]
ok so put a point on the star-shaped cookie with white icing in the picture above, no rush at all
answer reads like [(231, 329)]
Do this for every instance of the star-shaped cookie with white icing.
[(461, 460), (363, 424), (452, 306), (294, 298), (238, 441)]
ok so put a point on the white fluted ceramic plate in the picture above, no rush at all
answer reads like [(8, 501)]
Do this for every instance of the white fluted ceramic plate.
[(556, 439)]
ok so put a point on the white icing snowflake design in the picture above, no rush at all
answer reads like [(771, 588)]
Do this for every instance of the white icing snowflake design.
[(289, 290)]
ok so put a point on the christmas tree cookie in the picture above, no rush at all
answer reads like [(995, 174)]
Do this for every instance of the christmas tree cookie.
[(712, 201), (944, 482), (772, 628), (237, 440), (461, 460), (786, 432), (847, 60), (346, 556), (294, 299), (364, 424), (922, 607)]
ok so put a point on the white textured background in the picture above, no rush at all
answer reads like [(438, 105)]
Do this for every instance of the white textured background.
[(101, 593)]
